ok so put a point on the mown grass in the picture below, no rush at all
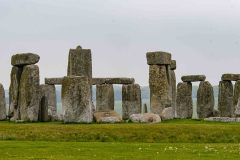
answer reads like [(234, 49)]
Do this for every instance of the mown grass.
[(175, 131), (25, 150)]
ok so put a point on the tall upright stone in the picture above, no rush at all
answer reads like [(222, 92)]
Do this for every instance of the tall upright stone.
[(76, 100), (205, 100), (184, 100), (131, 100), (173, 86), (48, 98), (159, 81), (104, 97), (15, 77), (236, 94), (2, 103), (29, 93), (225, 99)]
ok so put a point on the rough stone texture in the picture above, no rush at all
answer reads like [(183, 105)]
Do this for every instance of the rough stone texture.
[(122, 80), (173, 65), (54, 81), (230, 77), (29, 93), (14, 112), (80, 63), (48, 94), (193, 78), (216, 113), (24, 59), (174, 91), (145, 108), (3, 115), (222, 119), (107, 117), (76, 100), (205, 100), (225, 99), (43, 106), (104, 97), (167, 113), (160, 90), (236, 94), (131, 100), (237, 109), (158, 58), (145, 118), (184, 100)]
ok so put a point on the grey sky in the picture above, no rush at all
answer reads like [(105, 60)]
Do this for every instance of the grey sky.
[(202, 35)]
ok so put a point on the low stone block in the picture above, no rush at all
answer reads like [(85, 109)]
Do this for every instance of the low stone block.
[(193, 78), (145, 118), (96, 81), (158, 58), (107, 117), (24, 59), (167, 113), (230, 77)]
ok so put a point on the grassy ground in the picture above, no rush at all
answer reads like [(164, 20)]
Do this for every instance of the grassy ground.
[(176, 139)]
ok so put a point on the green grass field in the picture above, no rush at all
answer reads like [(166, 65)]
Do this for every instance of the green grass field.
[(176, 139)]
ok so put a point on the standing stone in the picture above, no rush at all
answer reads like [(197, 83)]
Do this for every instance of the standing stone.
[(159, 83), (104, 97), (48, 94), (184, 100), (225, 99), (29, 93), (2, 103), (205, 100), (236, 93), (174, 91), (145, 108), (131, 100), (14, 112), (76, 100), (43, 107), (237, 110)]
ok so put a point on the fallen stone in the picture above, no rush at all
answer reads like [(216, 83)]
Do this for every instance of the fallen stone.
[(3, 115), (76, 100), (225, 99), (158, 58), (107, 117), (29, 93), (96, 81), (193, 78), (104, 97), (205, 100), (173, 65), (54, 81), (230, 77), (160, 88), (131, 100), (222, 119), (145, 118), (14, 111), (24, 59), (167, 113), (184, 100)]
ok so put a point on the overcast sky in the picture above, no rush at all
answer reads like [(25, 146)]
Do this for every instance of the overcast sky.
[(202, 35)]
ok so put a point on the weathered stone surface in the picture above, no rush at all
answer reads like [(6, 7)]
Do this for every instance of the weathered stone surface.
[(158, 58), (131, 100), (225, 99), (216, 113), (14, 112), (184, 100), (236, 94), (237, 109), (107, 117), (76, 100), (193, 78), (24, 59), (121, 80), (80, 62), (43, 106), (48, 98), (54, 81), (145, 118), (205, 100), (160, 90), (145, 109), (174, 91), (29, 93), (222, 119), (167, 113), (104, 97), (3, 115), (230, 77), (173, 65)]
